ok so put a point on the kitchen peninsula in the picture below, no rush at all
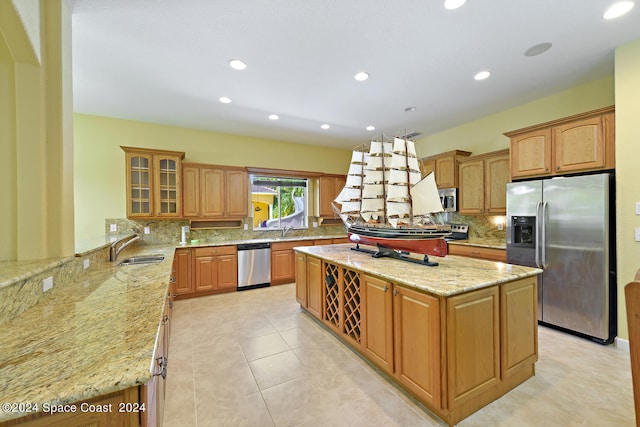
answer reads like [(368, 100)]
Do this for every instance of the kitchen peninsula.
[(456, 336)]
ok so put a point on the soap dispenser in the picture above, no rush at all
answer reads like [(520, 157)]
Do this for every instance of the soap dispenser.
[(185, 230)]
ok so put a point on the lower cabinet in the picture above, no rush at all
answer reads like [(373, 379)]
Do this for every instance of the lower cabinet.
[(491, 254), (204, 271), (283, 261), (455, 354)]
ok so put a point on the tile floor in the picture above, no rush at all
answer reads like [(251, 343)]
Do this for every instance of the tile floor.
[(253, 358)]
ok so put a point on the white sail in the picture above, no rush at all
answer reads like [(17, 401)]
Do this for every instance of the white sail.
[(355, 169), (398, 177), (398, 209), (397, 193), (399, 146), (411, 148), (414, 165), (398, 161), (350, 207), (372, 205), (357, 157), (347, 194), (375, 163), (372, 190), (425, 196), (353, 181), (372, 177), (380, 148)]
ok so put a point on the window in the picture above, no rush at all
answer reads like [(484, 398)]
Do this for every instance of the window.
[(279, 202)]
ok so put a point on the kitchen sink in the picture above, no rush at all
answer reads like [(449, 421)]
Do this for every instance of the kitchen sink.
[(142, 259)]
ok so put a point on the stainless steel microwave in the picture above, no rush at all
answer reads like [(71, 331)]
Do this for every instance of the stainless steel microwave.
[(448, 198)]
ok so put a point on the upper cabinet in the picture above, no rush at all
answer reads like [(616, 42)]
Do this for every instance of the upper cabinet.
[(153, 183), (329, 186), (483, 183), (445, 167), (580, 143), (214, 191)]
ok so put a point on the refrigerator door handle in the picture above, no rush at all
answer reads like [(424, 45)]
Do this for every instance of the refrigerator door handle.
[(543, 248), (537, 242)]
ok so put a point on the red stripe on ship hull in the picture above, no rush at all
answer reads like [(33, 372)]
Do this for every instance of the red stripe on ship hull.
[(435, 247)]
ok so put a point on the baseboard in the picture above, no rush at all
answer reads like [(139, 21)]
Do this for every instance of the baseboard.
[(622, 344)]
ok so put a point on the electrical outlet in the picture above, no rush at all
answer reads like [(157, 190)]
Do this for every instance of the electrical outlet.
[(113, 228), (315, 224), (246, 227), (147, 230), (637, 208), (500, 226), (86, 263), (47, 284), (637, 234)]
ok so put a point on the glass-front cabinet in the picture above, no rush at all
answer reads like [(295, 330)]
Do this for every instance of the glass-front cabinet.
[(153, 183)]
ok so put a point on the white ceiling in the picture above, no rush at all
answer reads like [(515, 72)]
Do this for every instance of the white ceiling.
[(166, 61)]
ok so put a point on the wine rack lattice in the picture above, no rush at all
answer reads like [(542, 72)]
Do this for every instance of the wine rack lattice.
[(351, 301), (332, 292)]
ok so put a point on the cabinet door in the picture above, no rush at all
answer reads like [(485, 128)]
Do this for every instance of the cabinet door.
[(427, 166), (212, 192), (167, 176), (519, 323), (473, 344), (190, 191), (329, 187), (206, 273), (227, 276), (446, 172), (282, 266), (377, 321), (579, 145), (182, 271), (416, 319), (139, 185), (314, 289), (496, 179), (531, 154), (301, 279), (237, 193), (471, 187)]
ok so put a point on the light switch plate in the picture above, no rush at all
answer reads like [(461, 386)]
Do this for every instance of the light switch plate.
[(637, 234), (113, 228), (86, 263), (637, 208), (147, 230)]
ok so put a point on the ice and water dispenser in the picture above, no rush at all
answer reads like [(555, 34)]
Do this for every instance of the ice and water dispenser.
[(524, 231)]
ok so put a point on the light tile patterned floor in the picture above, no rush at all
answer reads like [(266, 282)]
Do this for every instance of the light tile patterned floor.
[(253, 358)]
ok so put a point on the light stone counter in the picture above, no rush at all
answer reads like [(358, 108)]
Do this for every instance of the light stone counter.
[(88, 338), (454, 274)]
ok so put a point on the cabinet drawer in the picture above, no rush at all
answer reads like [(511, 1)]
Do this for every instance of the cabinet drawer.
[(216, 250), (279, 246)]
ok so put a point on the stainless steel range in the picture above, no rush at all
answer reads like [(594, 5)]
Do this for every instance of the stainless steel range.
[(458, 232)]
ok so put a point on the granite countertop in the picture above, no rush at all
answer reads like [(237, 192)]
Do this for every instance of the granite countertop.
[(203, 244), (88, 338), (482, 243), (454, 274)]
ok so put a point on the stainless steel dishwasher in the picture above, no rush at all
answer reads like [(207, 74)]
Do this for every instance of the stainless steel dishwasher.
[(254, 265)]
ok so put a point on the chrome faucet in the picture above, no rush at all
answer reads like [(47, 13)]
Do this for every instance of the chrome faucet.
[(114, 252), (285, 230)]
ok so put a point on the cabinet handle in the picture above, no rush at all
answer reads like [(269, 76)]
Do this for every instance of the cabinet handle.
[(166, 320), (557, 168), (162, 361), (385, 288), (172, 279), (395, 292), (170, 304)]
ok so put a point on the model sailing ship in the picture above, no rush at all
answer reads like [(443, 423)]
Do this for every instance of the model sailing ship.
[(386, 203)]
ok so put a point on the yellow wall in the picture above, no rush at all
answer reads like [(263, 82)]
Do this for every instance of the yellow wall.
[(484, 135), (627, 75), (37, 138), (100, 171)]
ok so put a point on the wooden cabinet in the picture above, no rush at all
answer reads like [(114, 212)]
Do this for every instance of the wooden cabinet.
[(182, 271), (215, 268), (329, 186), (341, 309), (315, 296), (444, 166), (377, 321), (302, 280), (483, 183), (584, 142), (491, 254), (283, 261), (417, 344), (153, 180), (471, 377), (214, 191)]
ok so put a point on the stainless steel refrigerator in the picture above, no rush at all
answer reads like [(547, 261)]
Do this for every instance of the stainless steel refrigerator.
[(566, 226)]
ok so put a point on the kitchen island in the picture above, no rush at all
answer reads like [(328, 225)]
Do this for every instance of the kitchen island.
[(456, 336)]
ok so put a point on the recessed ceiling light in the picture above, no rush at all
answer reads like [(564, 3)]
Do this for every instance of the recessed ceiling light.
[(370, 128), (237, 64), (538, 49), (410, 109), (453, 4), (325, 126), (482, 75), (224, 99), (273, 117), (618, 9), (361, 76)]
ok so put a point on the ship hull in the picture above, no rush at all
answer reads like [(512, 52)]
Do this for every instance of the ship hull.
[(411, 240)]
